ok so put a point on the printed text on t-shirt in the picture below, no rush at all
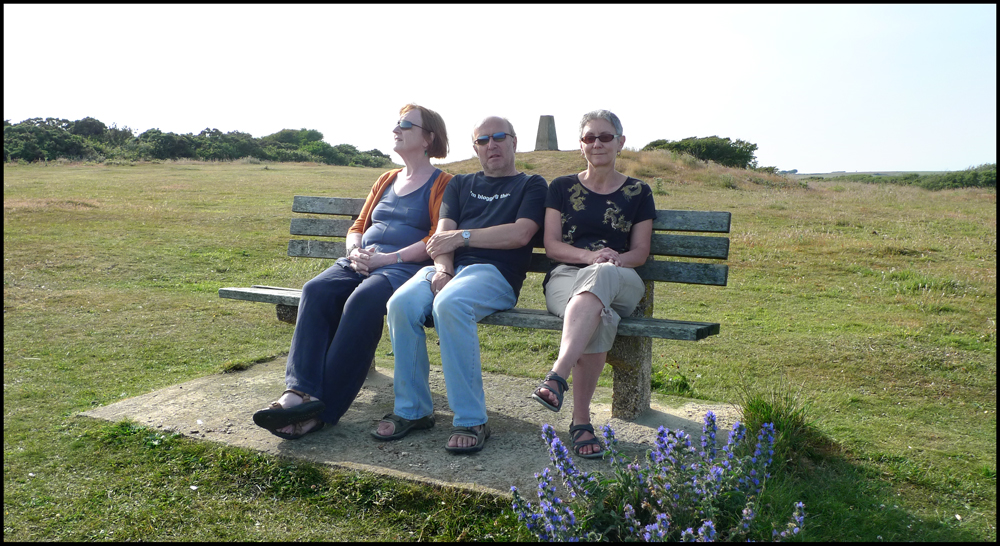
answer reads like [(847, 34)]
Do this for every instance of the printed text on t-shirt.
[(489, 197)]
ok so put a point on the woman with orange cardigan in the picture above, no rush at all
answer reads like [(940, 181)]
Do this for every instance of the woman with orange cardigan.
[(341, 311)]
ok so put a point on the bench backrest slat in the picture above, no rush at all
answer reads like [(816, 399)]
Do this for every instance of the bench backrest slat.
[(692, 220), (662, 244), (347, 206)]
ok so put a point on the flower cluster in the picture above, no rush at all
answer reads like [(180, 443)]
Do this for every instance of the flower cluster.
[(683, 490)]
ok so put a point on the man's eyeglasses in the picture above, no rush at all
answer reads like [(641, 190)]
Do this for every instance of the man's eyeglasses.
[(589, 139), (407, 124), (497, 137)]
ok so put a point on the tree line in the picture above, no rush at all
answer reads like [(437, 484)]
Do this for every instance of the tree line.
[(90, 139), (981, 176)]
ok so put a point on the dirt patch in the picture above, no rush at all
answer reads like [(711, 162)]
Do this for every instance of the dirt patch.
[(15, 205)]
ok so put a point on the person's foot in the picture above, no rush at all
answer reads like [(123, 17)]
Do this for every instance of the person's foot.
[(306, 426), (458, 440), (549, 392), (588, 448), (289, 400), (385, 428)]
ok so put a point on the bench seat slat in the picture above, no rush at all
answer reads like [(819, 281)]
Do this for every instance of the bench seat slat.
[(524, 318), (282, 296)]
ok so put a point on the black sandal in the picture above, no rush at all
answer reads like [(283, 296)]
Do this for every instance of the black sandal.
[(276, 416), (561, 388), (576, 431), (480, 435)]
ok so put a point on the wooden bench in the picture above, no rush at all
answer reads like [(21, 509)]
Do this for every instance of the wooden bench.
[(632, 354)]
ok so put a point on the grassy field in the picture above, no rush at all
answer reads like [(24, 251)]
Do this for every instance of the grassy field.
[(875, 305)]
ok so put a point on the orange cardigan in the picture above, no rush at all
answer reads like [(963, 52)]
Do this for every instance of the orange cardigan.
[(383, 182)]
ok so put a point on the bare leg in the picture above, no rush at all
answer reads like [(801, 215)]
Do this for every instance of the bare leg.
[(583, 315), (585, 376)]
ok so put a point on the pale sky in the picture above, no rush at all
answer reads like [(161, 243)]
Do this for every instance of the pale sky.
[(817, 88)]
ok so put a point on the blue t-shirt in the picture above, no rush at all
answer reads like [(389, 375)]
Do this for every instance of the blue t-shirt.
[(398, 222), (480, 201)]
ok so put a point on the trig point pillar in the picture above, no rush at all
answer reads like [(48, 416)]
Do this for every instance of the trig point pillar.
[(546, 139)]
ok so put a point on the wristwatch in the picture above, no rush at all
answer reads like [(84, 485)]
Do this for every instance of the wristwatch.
[(465, 237)]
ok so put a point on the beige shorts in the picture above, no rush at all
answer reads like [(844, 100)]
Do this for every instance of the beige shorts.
[(618, 288)]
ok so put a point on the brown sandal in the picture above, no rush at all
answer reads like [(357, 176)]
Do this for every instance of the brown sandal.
[(297, 433), (276, 416)]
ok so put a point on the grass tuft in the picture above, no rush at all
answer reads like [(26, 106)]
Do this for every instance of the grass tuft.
[(774, 402)]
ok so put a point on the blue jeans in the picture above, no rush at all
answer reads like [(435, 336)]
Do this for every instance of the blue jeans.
[(477, 291), (336, 333)]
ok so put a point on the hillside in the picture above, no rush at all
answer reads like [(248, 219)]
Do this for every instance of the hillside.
[(658, 166)]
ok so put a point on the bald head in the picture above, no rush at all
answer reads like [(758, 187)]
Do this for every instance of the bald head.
[(492, 120), (496, 157)]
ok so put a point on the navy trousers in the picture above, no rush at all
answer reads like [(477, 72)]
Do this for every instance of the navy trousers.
[(337, 331)]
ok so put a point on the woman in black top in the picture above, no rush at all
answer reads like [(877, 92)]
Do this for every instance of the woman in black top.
[(598, 225)]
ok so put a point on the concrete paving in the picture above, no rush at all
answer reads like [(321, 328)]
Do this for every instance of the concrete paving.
[(219, 407)]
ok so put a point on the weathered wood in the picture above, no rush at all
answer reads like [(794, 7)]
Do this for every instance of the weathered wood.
[(279, 296), (320, 227), (692, 220), (523, 318), (689, 246), (345, 206), (310, 248)]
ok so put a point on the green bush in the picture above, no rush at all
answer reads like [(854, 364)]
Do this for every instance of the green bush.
[(738, 154)]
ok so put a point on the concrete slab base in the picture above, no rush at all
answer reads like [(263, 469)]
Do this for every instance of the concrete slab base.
[(219, 407)]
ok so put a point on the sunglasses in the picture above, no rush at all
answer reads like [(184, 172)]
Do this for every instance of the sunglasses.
[(589, 139), (406, 124), (497, 137)]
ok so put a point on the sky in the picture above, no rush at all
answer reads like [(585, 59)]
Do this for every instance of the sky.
[(818, 88)]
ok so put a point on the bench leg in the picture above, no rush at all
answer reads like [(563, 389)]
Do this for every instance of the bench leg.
[(289, 313), (632, 360)]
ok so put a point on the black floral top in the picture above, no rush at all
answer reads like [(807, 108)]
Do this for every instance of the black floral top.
[(594, 221)]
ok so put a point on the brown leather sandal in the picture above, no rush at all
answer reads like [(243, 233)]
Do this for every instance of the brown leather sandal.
[(297, 433)]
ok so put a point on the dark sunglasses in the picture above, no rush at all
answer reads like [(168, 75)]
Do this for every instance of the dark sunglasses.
[(497, 137), (589, 139), (406, 124)]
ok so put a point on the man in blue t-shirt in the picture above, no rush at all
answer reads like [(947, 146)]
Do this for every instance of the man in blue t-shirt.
[(481, 251)]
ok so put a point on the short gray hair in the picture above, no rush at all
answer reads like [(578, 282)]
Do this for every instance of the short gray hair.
[(510, 126), (602, 114)]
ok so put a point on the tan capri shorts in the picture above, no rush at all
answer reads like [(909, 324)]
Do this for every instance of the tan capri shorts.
[(618, 288)]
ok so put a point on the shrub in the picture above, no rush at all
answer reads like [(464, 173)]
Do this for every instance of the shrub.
[(681, 492), (738, 154)]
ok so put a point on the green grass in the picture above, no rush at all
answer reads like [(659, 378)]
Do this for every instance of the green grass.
[(878, 300)]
